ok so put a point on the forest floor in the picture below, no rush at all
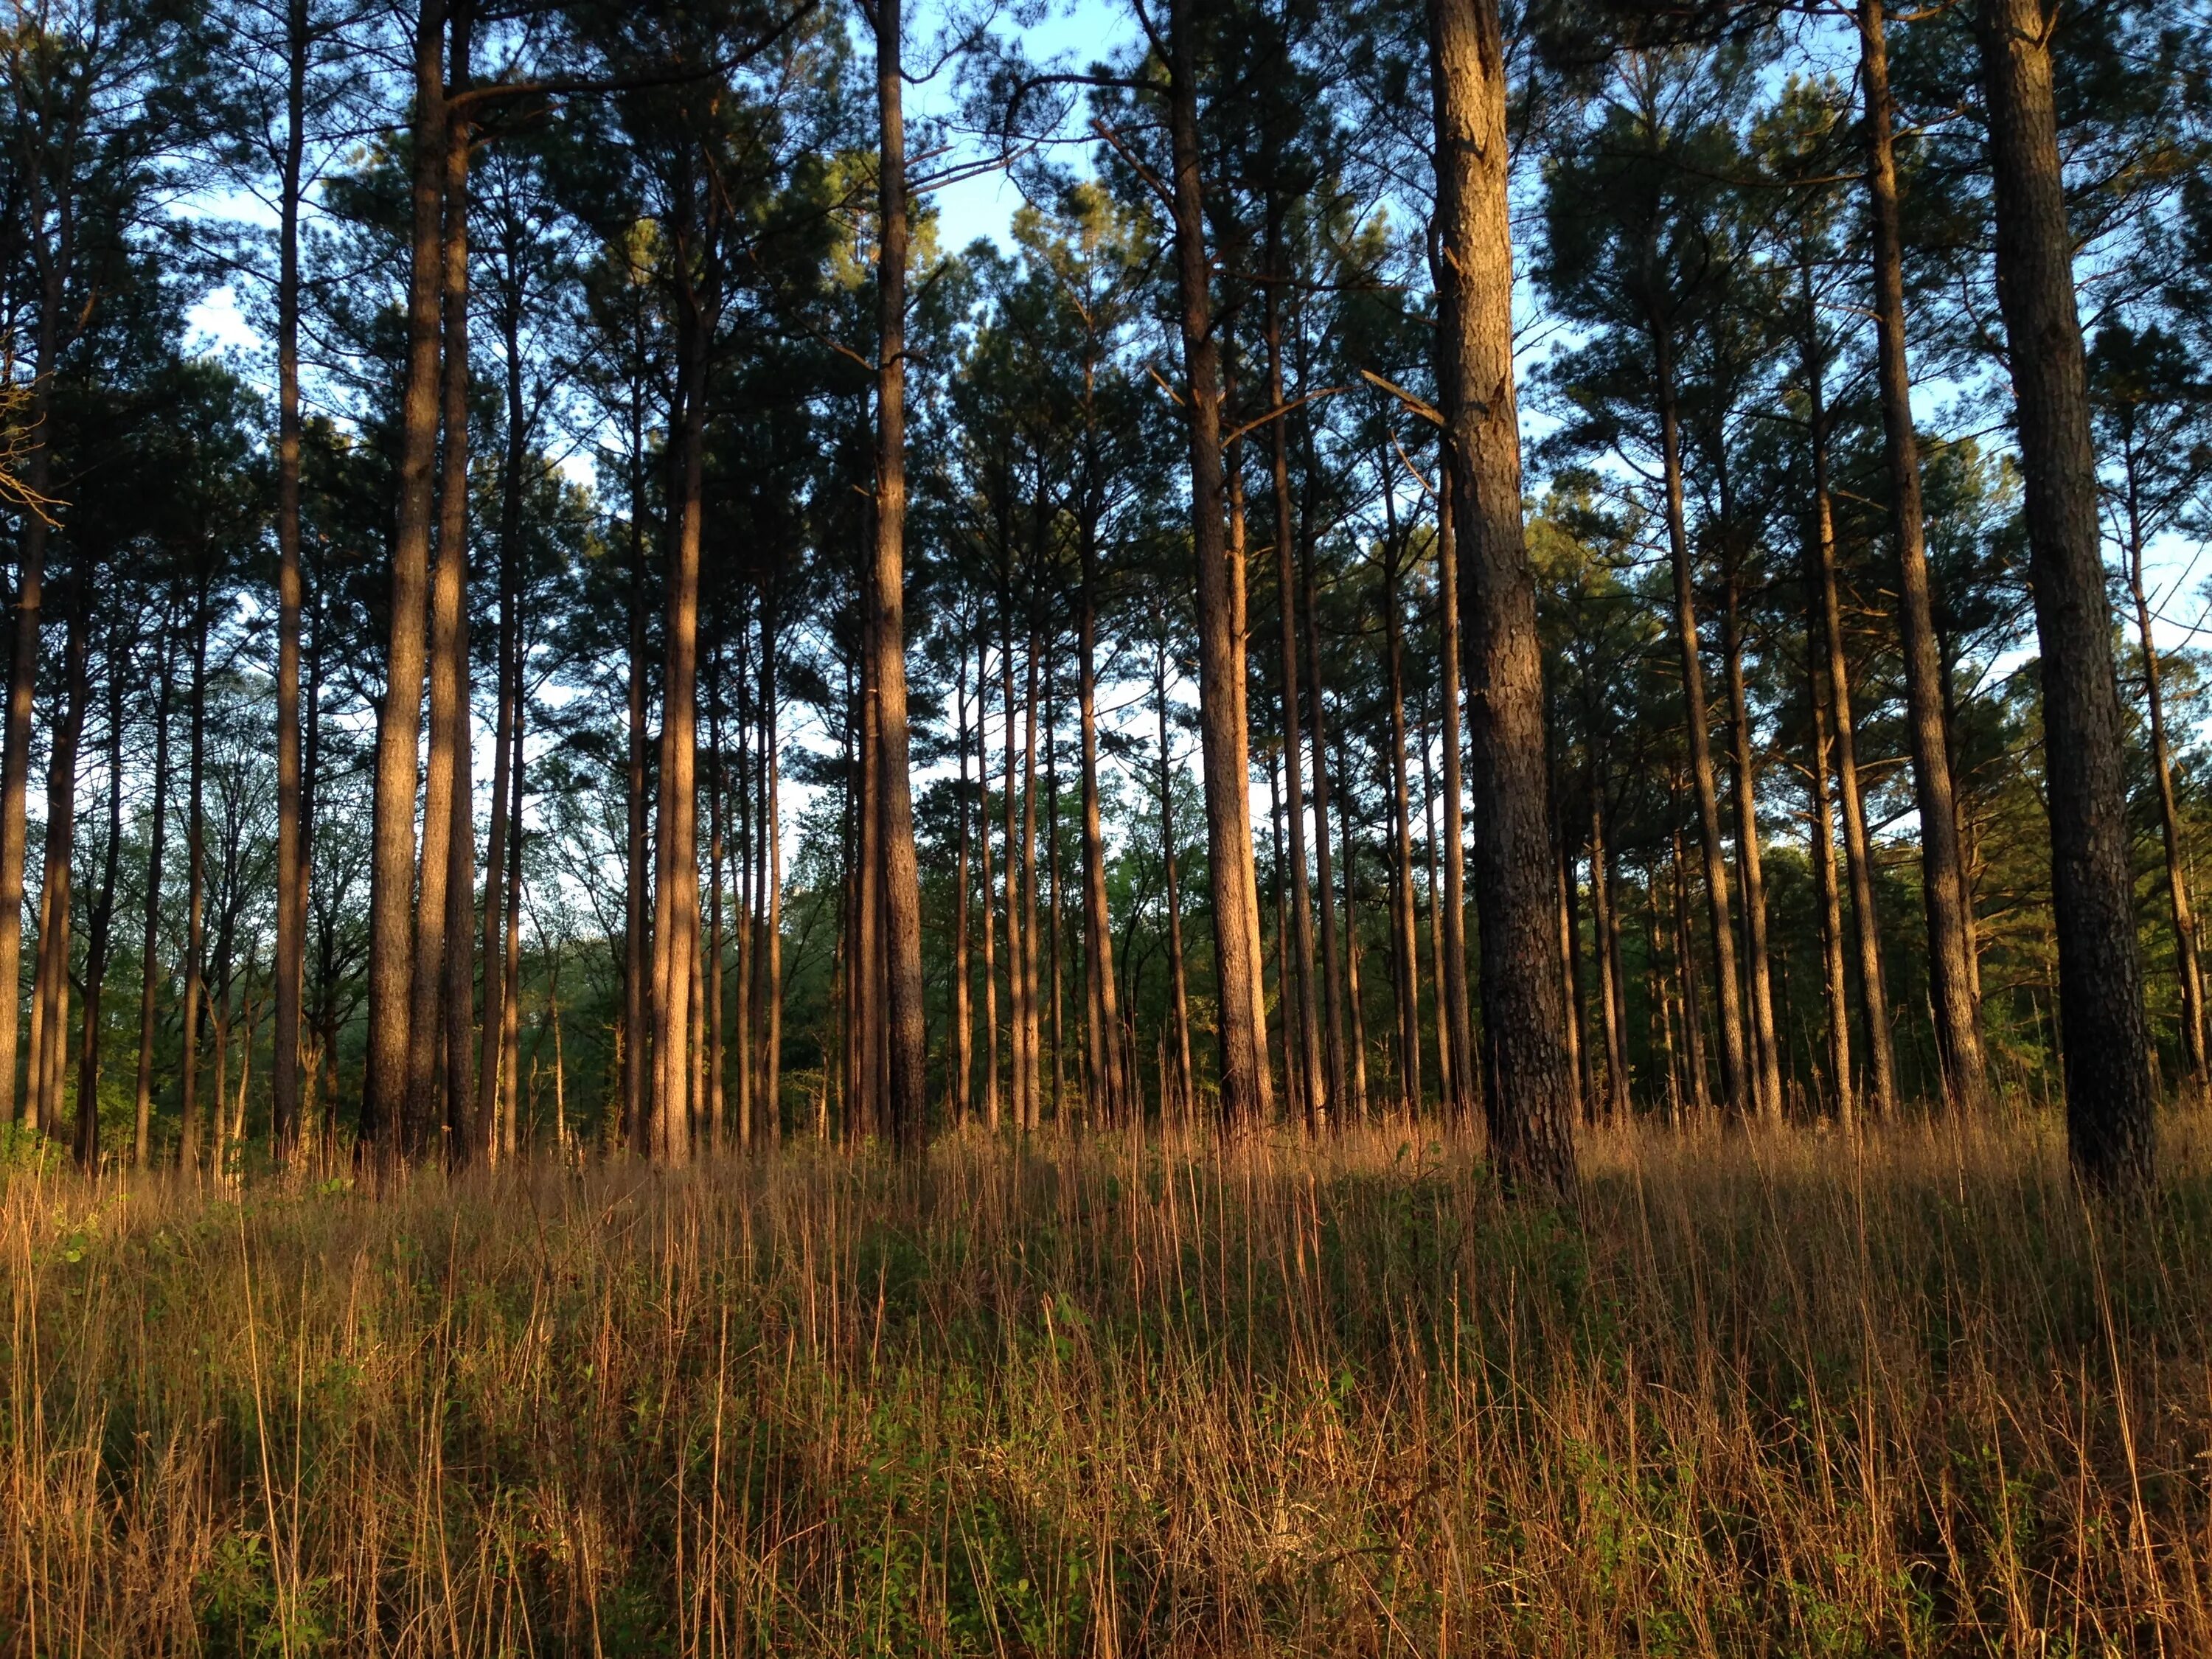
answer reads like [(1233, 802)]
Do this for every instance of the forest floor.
[(1766, 1394)]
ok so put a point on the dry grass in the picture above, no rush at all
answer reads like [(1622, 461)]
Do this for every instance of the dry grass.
[(1765, 1397)]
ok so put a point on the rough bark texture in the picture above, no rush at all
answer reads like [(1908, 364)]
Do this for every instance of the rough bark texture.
[(1102, 1009), (399, 724), (292, 867), (1830, 893), (908, 1100), (149, 977), (2104, 1034), (445, 782), (1530, 1086), (1858, 855), (1954, 999), (1312, 1100), (1243, 1079), (1765, 1048), (676, 854), (1736, 1082)]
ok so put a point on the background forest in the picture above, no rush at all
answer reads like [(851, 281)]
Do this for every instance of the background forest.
[(1402, 800)]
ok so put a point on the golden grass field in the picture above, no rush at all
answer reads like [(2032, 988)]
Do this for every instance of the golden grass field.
[(1762, 1395)]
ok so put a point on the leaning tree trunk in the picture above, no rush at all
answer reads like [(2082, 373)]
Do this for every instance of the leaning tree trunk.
[(2169, 821), (2104, 1034), (1244, 1086), (1529, 1093), (399, 725), (1952, 994)]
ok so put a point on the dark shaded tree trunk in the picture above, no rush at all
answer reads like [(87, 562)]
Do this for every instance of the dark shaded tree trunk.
[(1829, 895), (195, 890), (103, 913), (150, 938), (1766, 1048), (2109, 1093), (293, 866), (1530, 1087)]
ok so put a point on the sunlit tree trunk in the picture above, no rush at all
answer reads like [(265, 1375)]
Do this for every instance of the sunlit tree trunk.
[(432, 1050), (1858, 854), (385, 1089), (1823, 878), (1766, 1049), (1184, 1078), (1334, 1101), (908, 1099), (990, 924), (1102, 1010), (1243, 1074), (964, 1036), (1736, 1082), (1954, 995)]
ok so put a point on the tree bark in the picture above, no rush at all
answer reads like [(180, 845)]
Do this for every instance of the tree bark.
[(292, 865), (1530, 1089), (1102, 1010), (1874, 996), (1405, 952), (1458, 1016), (1823, 878), (990, 925), (103, 913), (2109, 1093), (2169, 817), (1331, 978), (1953, 996), (49, 1004), (1766, 1049), (1243, 1079), (1182, 995), (1311, 1102), (909, 1080), (676, 857), (150, 938), (963, 1034), (1735, 1083), (434, 1049), (195, 889), (385, 1089)]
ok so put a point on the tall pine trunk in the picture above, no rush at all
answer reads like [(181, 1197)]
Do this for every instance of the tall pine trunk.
[(1833, 975), (149, 977), (1765, 1048), (1858, 853), (1245, 1072), (292, 856), (103, 914), (1530, 1089), (385, 1089), (909, 1101), (1953, 996), (2105, 1036)]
